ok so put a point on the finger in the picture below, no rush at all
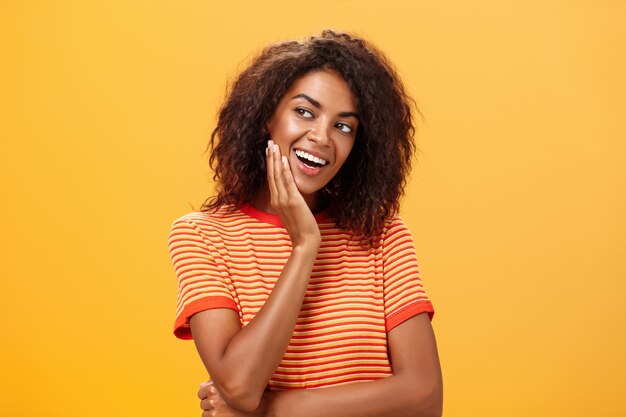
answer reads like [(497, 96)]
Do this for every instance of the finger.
[(278, 177), (207, 404), (269, 156), (203, 391), (290, 184)]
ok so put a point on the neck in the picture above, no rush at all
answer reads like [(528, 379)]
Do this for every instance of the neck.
[(316, 202)]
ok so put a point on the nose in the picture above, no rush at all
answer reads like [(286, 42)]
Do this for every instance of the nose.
[(319, 133)]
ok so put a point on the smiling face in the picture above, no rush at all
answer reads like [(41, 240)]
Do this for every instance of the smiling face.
[(315, 126)]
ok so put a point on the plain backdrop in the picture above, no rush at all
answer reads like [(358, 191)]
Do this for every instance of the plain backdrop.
[(517, 202)]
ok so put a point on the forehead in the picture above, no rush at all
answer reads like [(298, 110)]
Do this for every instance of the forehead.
[(327, 87)]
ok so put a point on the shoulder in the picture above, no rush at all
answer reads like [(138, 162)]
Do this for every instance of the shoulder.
[(396, 236), (219, 219), (395, 226), (207, 226), (395, 222)]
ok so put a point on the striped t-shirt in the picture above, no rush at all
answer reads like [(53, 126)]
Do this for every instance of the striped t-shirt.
[(356, 294)]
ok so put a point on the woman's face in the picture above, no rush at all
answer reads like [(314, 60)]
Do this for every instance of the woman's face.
[(315, 125)]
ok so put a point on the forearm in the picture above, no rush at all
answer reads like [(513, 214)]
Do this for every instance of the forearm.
[(395, 396), (251, 357)]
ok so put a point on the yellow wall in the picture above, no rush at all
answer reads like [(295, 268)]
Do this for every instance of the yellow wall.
[(517, 205)]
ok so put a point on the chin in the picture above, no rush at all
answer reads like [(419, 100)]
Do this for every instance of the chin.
[(307, 189)]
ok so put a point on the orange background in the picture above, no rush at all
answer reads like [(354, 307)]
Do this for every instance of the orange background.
[(517, 204)]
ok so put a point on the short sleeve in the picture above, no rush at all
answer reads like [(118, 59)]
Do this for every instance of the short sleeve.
[(404, 295), (202, 281)]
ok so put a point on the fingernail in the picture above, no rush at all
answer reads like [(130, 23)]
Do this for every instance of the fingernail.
[(204, 384), (275, 148), (284, 158)]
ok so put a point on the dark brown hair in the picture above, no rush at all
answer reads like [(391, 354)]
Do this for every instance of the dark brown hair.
[(366, 190)]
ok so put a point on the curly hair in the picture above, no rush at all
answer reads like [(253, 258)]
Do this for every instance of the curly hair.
[(367, 189)]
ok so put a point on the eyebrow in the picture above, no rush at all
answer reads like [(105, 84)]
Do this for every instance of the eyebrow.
[(319, 106)]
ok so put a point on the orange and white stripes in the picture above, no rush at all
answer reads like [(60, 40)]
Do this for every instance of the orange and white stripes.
[(232, 259)]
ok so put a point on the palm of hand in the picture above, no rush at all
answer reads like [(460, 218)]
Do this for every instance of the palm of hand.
[(287, 201)]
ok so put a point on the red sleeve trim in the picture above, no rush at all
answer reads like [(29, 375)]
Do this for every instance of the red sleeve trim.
[(406, 312), (181, 325)]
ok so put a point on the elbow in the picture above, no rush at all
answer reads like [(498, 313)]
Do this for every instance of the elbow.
[(429, 402), (247, 404), (241, 397), (425, 399), (434, 410)]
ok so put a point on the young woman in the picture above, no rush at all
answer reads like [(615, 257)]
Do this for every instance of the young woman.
[(298, 282)]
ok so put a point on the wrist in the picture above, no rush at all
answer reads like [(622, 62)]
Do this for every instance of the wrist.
[(307, 248)]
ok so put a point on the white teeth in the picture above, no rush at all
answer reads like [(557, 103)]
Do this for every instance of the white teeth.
[(310, 157)]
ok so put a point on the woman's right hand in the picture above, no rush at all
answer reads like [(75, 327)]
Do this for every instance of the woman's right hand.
[(241, 361), (287, 201)]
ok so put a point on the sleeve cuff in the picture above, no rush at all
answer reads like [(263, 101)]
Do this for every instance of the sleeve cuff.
[(181, 325), (408, 311)]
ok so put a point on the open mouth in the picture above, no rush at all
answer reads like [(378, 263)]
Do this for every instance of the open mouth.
[(309, 160)]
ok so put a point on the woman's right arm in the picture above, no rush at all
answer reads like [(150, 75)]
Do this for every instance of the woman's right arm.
[(241, 361)]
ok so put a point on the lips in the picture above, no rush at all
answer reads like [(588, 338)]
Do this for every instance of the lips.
[(310, 159), (308, 162)]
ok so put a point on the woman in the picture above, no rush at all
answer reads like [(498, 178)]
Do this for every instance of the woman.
[(298, 274)]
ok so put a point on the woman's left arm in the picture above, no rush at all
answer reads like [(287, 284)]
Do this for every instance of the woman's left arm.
[(415, 389)]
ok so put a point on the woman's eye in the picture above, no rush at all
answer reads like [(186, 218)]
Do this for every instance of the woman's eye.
[(304, 113), (344, 128)]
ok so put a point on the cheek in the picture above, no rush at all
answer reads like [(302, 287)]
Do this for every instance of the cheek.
[(285, 131), (343, 151)]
